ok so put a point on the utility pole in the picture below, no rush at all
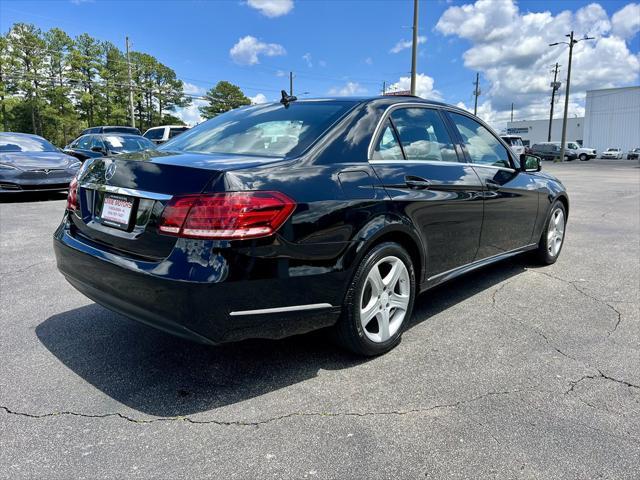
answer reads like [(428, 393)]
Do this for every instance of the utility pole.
[(291, 84), (384, 87), (511, 112), (555, 86), (571, 43), (414, 48), (133, 118), (476, 93)]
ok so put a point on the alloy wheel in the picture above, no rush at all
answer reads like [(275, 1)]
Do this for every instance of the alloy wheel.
[(385, 299), (555, 232)]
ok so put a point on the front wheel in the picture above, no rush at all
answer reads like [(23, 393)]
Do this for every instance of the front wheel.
[(552, 237), (379, 301), (583, 157)]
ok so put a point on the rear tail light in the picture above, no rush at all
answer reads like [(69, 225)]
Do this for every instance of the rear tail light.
[(72, 196), (228, 216)]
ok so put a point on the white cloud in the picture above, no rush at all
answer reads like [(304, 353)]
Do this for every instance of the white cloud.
[(307, 58), (259, 98), (281, 73), (191, 89), (404, 44), (191, 115), (272, 8), (322, 63), (626, 21), (351, 88), (248, 49), (424, 86), (368, 61), (510, 49)]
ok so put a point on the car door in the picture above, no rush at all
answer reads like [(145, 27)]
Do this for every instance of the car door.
[(511, 196), (418, 164)]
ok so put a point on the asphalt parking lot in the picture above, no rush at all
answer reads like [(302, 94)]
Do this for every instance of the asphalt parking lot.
[(515, 371)]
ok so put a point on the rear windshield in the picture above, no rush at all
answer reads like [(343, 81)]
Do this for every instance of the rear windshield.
[(266, 130), (118, 143), (131, 130), (24, 143), (154, 134)]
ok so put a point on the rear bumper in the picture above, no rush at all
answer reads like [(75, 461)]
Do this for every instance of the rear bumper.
[(213, 311)]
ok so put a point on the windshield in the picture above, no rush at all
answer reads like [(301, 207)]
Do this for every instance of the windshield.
[(122, 143), (268, 130), (24, 143), (612, 149), (573, 146)]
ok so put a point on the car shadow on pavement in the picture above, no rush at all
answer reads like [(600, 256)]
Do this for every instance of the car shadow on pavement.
[(28, 197), (161, 375)]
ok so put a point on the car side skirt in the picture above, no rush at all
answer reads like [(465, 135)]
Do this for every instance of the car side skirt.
[(456, 272)]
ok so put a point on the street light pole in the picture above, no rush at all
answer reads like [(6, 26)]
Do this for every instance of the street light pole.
[(414, 49), (571, 43)]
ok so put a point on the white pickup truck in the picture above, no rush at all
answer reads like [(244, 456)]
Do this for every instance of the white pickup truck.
[(582, 153)]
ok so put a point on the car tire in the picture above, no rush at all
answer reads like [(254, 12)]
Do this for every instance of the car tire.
[(547, 252), (371, 337), (583, 157)]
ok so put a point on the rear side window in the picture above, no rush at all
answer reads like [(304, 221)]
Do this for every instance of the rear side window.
[(176, 131), (271, 130), (423, 135), (483, 147), (154, 134), (388, 147)]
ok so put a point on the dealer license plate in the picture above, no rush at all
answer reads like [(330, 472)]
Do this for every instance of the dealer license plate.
[(116, 211)]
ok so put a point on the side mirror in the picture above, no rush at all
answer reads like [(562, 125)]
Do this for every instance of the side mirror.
[(98, 149), (529, 163)]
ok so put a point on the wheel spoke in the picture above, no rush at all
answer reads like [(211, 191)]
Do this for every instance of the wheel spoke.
[(394, 274), (383, 324), (398, 301), (375, 281), (369, 312)]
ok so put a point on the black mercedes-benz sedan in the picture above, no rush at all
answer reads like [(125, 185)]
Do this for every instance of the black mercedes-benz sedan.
[(29, 163), (282, 218)]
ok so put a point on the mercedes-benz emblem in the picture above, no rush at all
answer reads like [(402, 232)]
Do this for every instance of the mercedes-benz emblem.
[(110, 172)]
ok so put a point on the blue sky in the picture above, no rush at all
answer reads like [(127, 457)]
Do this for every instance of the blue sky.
[(339, 47)]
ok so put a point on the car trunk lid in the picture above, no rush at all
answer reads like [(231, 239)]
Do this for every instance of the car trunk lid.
[(121, 198)]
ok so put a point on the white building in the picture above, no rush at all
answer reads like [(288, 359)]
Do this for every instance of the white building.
[(536, 131), (612, 119)]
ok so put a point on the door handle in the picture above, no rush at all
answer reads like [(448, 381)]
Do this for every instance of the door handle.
[(491, 185), (416, 183)]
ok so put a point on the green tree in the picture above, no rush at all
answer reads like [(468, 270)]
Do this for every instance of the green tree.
[(27, 49), (223, 97)]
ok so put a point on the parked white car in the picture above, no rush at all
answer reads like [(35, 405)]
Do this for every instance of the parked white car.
[(161, 134), (612, 153), (515, 142), (583, 153)]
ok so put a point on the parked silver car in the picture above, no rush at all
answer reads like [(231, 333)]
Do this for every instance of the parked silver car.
[(30, 163)]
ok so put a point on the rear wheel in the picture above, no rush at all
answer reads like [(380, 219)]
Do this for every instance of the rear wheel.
[(552, 237), (379, 301)]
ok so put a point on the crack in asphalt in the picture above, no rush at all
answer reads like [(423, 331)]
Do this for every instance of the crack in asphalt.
[(574, 383), (257, 423), (494, 303), (24, 269), (573, 283)]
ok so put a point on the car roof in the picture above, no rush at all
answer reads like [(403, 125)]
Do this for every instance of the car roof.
[(26, 135)]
